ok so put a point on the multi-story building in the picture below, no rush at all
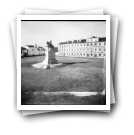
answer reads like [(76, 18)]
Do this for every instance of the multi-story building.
[(31, 50), (90, 47), (34, 50)]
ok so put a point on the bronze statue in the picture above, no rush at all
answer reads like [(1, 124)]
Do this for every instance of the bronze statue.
[(49, 44)]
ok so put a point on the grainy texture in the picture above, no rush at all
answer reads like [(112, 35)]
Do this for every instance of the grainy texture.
[(77, 74)]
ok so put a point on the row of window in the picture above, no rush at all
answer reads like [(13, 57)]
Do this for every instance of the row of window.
[(98, 49), (87, 44), (41, 49), (82, 54), (83, 49)]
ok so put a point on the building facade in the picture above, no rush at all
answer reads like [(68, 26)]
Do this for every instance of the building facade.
[(41, 51), (34, 50), (94, 47), (24, 52)]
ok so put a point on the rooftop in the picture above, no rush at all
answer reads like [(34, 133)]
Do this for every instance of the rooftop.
[(23, 48), (34, 46), (30, 45), (100, 39)]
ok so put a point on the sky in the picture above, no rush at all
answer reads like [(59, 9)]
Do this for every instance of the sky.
[(40, 32)]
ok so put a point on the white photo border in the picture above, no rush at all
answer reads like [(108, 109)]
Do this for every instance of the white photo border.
[(58, 18)]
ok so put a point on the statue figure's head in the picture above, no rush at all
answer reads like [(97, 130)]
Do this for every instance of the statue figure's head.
[(49, 44)]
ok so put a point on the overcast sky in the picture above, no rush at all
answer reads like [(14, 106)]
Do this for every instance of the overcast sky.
[(59, 31)]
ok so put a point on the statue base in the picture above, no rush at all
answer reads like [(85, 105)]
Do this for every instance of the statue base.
[(47, 66), (53, 61)]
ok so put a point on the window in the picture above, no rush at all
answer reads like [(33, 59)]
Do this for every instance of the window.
[(95, 55), (99, 49), (99, 54)]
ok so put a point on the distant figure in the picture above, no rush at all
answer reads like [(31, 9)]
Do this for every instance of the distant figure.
[(49, 44)]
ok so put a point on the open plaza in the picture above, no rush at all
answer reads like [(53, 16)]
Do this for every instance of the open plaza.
[(53, 86)]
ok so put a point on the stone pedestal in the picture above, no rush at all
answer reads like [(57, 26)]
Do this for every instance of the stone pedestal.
[(51, 54), (46, 62), (49, 61), (49, 58)]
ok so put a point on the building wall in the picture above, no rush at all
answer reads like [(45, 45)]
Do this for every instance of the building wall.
[(24, 52), (34, 51), (91, 48)]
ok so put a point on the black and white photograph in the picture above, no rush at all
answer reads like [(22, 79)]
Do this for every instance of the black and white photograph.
[(64, 62)]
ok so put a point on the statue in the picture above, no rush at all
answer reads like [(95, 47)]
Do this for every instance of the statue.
[(49, 44), (50, 56), (50, 60)]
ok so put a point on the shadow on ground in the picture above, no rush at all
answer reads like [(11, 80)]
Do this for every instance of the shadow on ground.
[(73, 64), (29, 64)]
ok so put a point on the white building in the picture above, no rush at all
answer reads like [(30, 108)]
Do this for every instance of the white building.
[(41, 51), (90, 47), (34, 50)]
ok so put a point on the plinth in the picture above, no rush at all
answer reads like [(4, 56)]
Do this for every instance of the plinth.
[(49, 61)]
